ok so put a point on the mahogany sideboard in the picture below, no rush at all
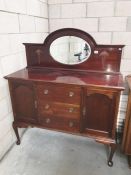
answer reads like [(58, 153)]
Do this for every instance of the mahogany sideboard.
[(126, 143), (79, 97)]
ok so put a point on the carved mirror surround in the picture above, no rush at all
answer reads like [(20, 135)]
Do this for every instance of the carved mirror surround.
[(71, 48)]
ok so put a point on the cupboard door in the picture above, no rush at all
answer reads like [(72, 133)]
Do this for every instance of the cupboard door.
[(100, 112), (23, 99)]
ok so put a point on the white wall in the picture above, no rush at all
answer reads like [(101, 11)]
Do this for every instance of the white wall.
[(20, 21), (108, 21)]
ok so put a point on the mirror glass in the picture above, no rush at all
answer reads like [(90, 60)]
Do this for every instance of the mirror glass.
[(70, 50)]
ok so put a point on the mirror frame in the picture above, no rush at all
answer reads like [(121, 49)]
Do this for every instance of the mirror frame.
[(70, 32)]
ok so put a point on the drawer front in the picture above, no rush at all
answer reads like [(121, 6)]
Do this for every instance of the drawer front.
[(60, 123), (59, 93), (48, 108)]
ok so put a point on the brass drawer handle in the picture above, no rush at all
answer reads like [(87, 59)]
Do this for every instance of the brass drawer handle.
[(48, 120), (71, 94), (71, 124), (47, 106), (46, 91), (71, 110)]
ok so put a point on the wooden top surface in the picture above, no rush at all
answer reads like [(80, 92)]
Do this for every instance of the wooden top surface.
[(88, 78)]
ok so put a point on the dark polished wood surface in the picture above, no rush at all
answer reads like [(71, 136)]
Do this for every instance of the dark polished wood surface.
[(79, 99), (100, 79), (103, 57)]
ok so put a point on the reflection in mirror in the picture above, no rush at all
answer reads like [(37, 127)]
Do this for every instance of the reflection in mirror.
[(70, 50)]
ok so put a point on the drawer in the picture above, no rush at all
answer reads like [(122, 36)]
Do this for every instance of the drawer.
[(59, 93), (48, 108), (60, 123)]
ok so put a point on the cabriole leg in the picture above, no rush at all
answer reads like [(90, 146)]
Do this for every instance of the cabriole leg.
[(111, 154), (16, 133)]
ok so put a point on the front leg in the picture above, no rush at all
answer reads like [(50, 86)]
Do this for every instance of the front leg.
[(112, 148), (16, 133)]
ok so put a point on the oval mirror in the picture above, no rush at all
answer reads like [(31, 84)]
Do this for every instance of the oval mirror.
[(70, 50)]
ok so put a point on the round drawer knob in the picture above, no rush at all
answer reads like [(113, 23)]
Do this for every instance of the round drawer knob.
[(71, 110), (71, 94), (46, 91), (47, 106), (48, 120), (71, 124)]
